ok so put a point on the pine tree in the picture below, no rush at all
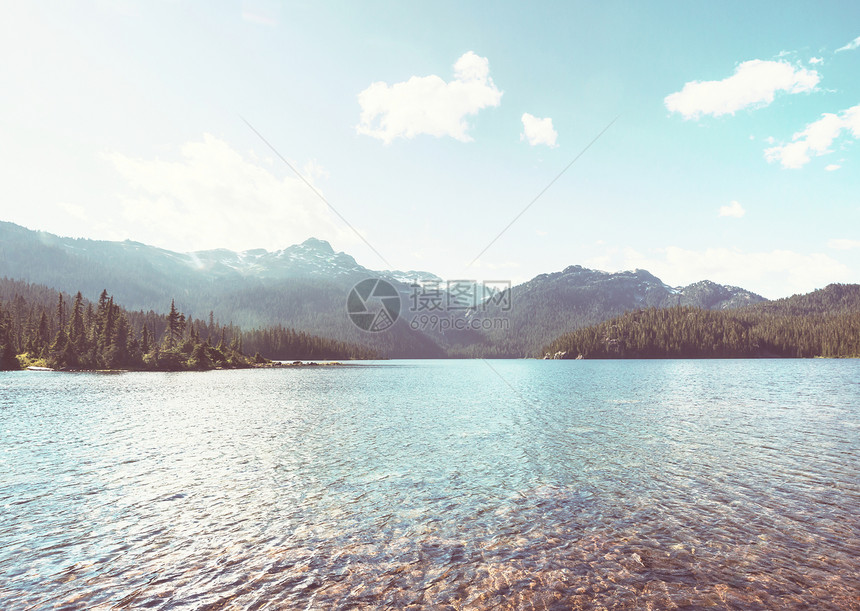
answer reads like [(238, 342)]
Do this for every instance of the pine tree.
[(174, 329), (145, 340), (107, 324), (43, 334), (61, 312), (7, 348), (77, 334)]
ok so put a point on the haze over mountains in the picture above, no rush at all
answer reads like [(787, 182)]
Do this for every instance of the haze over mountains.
[(305, 286)]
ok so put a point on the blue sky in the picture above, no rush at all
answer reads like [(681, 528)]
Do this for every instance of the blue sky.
[(430, 126)]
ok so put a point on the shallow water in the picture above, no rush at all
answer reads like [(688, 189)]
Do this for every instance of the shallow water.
[(446, 484)]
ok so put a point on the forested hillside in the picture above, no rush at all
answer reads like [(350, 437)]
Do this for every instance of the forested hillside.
[(823, 323), (52, 329)]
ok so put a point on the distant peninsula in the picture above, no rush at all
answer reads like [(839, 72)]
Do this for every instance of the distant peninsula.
[(824, 323)]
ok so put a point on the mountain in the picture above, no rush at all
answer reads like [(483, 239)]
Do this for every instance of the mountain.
[(305, 286), (550, 304), (832, 299), (145, 275)]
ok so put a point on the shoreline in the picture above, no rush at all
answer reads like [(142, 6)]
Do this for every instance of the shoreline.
[(270, 365), (309, 363)]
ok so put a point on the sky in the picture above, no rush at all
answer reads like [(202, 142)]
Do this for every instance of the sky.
[(476, 140)]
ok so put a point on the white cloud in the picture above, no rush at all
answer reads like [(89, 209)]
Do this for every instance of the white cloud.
[(753, 84), (816, 60), (816, 138), (428, 104), (774, 274), (734, 210), (538, 131), (851, 120), (213, 197), (843, 244), (854, 44), (832, 167)]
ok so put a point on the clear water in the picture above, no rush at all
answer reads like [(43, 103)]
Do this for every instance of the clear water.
[(446, 484)]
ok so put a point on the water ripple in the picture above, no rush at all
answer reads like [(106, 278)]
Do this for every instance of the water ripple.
[(629, 485)]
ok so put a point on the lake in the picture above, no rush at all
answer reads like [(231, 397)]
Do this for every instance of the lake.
[(449, 484)]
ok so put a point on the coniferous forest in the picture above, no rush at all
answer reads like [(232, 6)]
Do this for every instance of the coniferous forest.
[(825, 323), (40, 327), (43, 328)]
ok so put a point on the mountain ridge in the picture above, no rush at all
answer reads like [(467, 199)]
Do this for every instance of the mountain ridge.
[(304, 286)]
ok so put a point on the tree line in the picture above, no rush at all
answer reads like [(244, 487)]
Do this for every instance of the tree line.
[(285, 344), (825, 323), (74, 333), (80, 335)]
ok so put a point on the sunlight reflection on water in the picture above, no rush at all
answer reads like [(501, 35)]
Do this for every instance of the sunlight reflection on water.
[(732, 484)]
